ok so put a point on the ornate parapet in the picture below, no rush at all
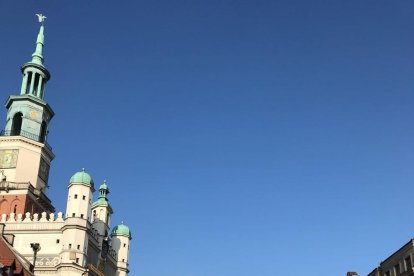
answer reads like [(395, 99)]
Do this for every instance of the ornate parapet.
[(45, 261), (33, 221)]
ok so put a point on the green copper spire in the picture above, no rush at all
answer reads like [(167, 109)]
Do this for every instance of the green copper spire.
[(37, 56), (35, 75)]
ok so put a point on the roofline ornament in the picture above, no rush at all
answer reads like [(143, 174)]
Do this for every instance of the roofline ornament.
[(41, 17)]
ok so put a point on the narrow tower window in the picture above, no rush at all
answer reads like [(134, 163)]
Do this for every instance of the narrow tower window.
[(29, 81), (16, 124), (36, 84), (43, 132), (42, 91)]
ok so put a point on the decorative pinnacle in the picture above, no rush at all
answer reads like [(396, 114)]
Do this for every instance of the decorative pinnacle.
[(41, 17)]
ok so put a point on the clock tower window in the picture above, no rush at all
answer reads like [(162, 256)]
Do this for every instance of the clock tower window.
[(29, 81), (43, 132), (17, 124)]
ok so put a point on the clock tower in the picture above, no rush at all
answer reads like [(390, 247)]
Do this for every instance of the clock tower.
[(25, 155)]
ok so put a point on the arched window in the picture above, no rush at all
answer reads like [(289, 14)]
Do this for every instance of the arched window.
[(4, 207), (43, 132), (13, 206), (16, 124)]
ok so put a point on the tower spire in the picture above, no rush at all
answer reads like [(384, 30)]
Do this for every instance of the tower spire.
[(37, 56), (35, 75)]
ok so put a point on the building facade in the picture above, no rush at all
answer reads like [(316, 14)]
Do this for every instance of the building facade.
[(398, 264), (78, 241)]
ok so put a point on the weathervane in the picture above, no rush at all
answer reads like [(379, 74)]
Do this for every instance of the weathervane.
[(41, 17)]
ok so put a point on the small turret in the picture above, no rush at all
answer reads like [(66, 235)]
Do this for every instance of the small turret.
[(80, 191), (78, 208), (102, 211), (121, 237)]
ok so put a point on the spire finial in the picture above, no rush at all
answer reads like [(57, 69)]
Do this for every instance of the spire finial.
[(41, 17)]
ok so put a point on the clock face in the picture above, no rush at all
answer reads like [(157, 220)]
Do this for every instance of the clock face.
[(8, 158), (33, 115)]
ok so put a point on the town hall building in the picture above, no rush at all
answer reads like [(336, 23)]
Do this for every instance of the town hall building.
[(78, 241)]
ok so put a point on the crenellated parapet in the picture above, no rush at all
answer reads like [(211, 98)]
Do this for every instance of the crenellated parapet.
[(28, 217), (30, 221)]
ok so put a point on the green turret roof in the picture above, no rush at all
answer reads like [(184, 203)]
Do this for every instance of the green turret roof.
[(121, 229), (82, 177), (103, 196), (104, 186)]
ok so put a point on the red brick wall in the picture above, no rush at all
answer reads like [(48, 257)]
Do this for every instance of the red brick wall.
[(19, 204)]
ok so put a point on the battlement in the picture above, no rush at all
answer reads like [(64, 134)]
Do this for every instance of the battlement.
[(44, 217), (45, 222), (15, 223)]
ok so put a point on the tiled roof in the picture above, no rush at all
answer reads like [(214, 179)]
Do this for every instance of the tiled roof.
[(9, 257), (6, 262)]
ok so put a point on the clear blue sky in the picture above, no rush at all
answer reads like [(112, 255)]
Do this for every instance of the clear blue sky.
[(238, 138)]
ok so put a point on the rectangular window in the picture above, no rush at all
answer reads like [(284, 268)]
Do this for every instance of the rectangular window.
[(57, 241), (76, 196), (73, 214), (408, 264), (29, 81), (77, 260), (397, 270), (81, 215), (78, 246), (83, 197)]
